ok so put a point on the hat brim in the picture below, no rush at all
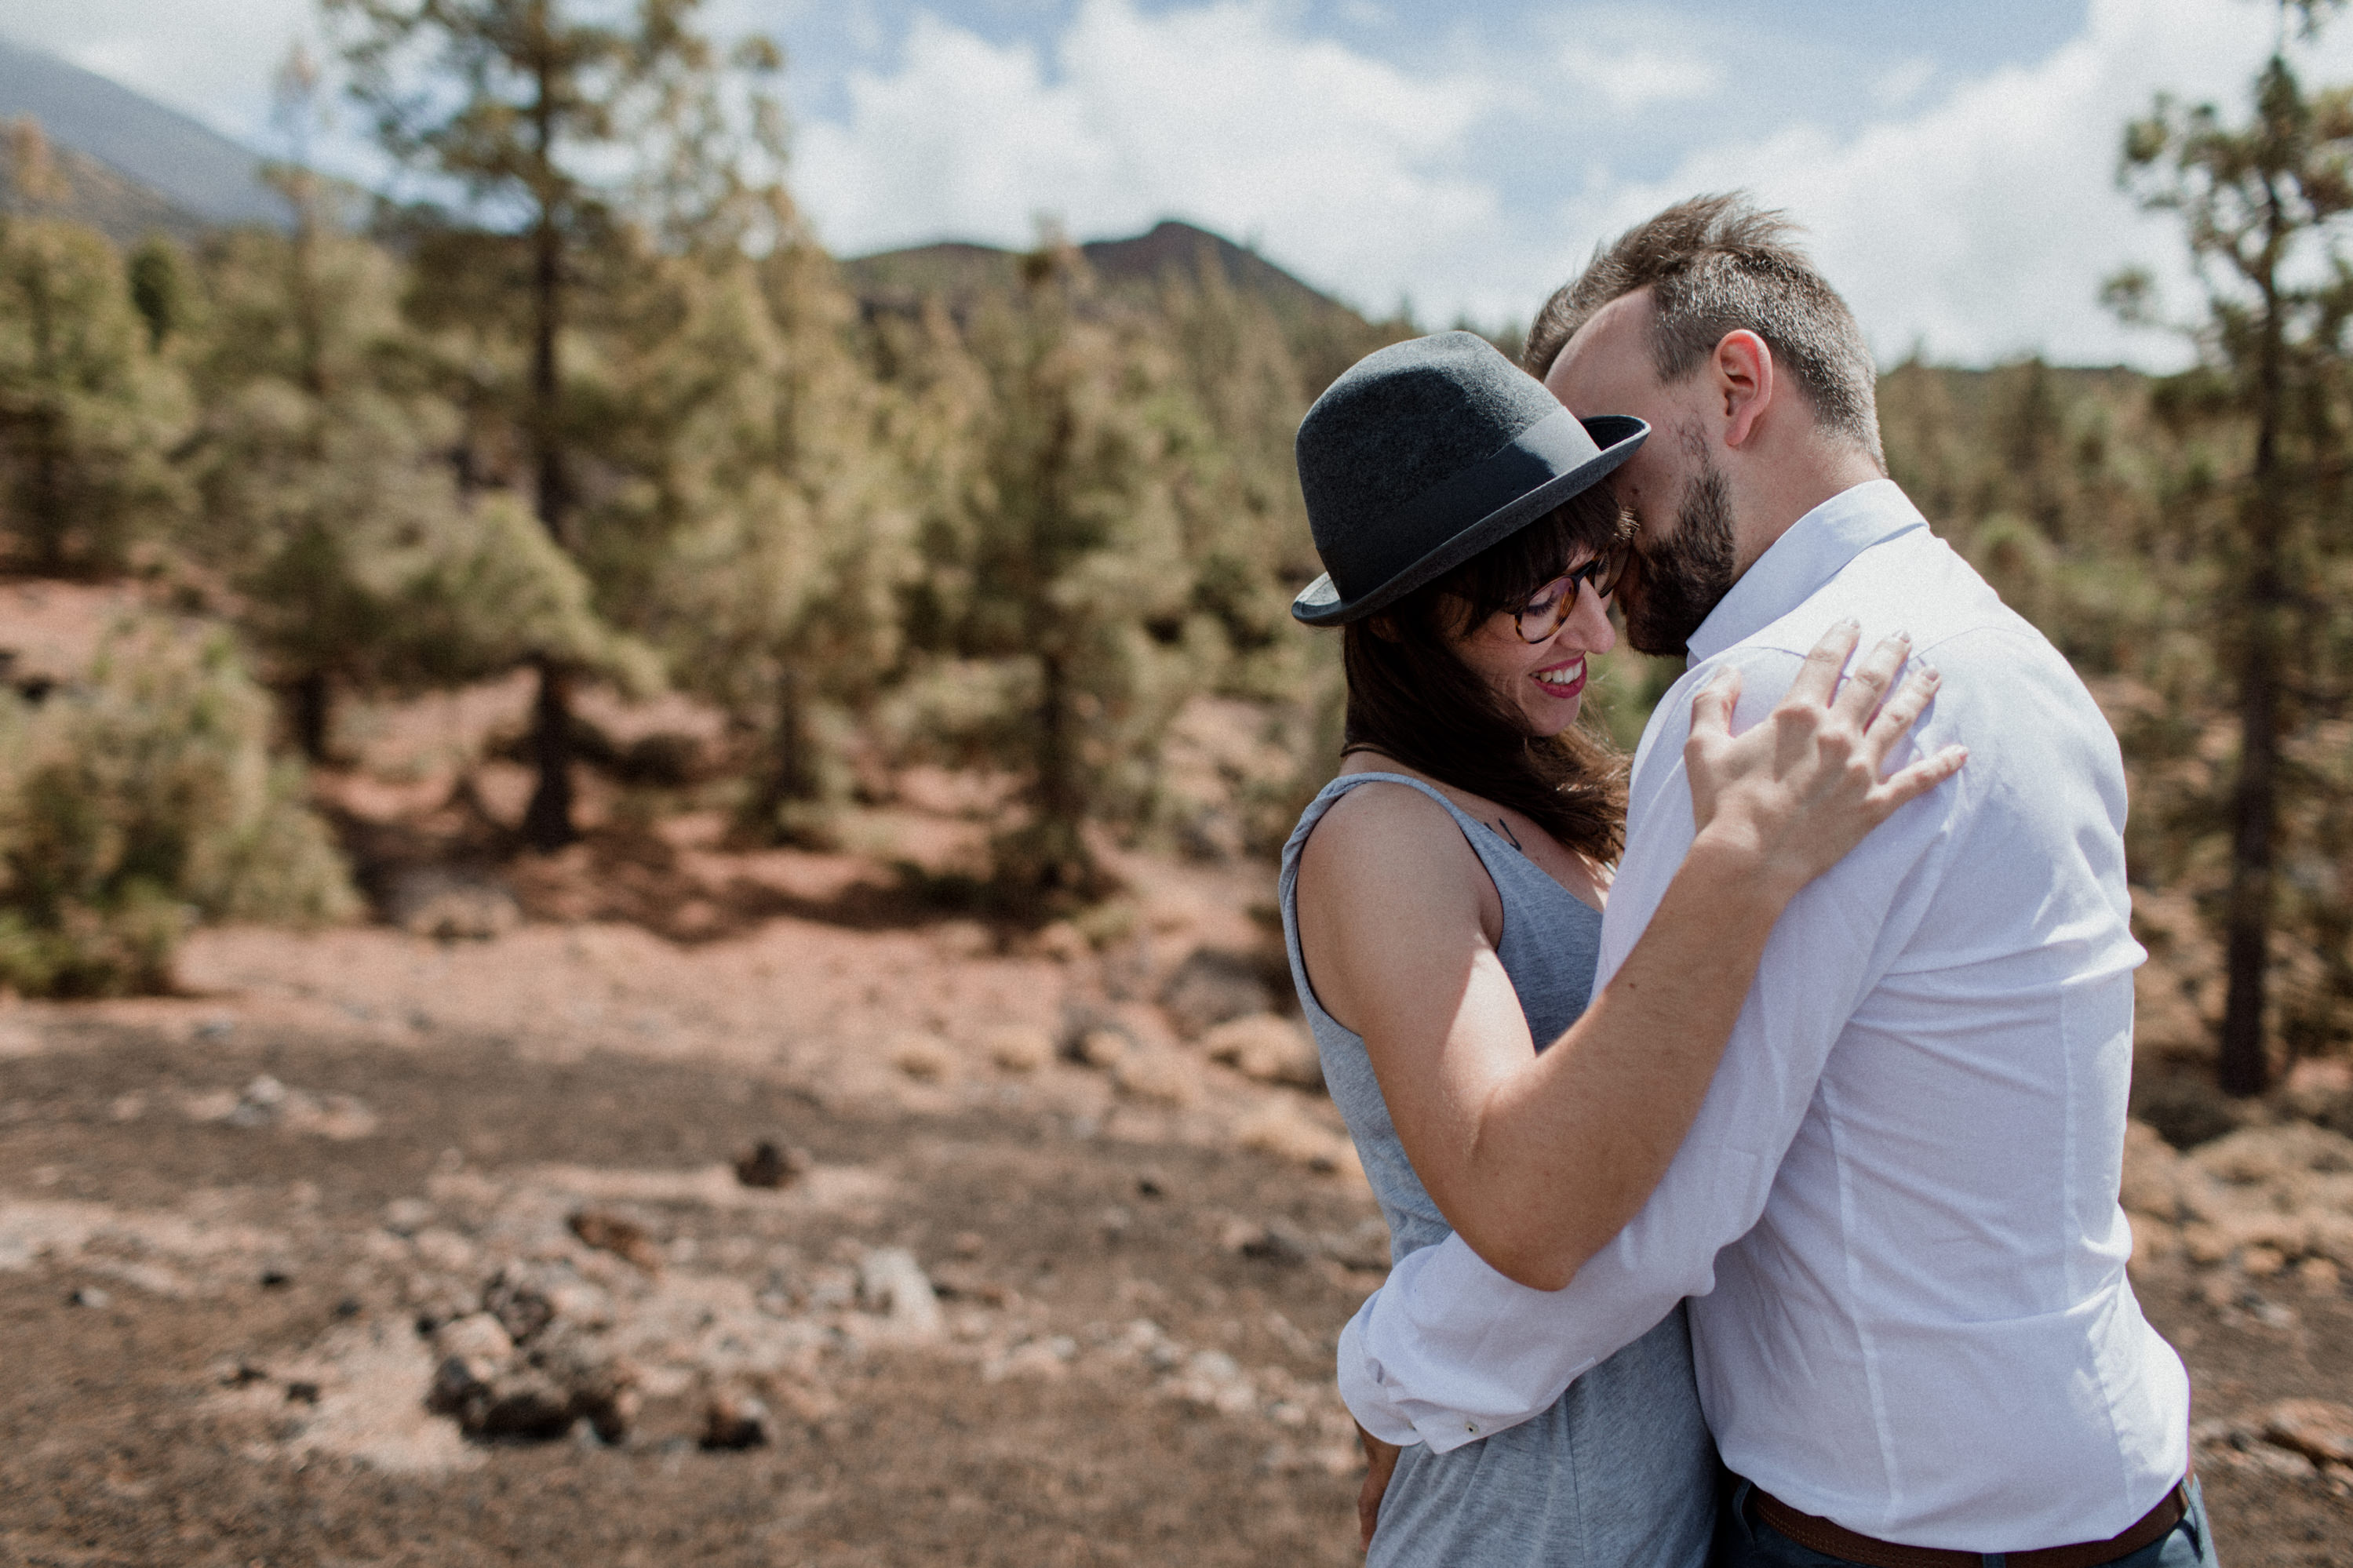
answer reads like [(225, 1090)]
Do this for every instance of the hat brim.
[(1618, 436)]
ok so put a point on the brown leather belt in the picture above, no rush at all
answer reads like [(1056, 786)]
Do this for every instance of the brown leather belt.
[(1837, 1540)]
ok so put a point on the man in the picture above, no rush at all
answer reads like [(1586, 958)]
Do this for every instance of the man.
[(1896, 1215)]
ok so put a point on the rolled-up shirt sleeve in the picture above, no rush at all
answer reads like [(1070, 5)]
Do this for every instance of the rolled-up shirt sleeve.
[(1448, 1351)]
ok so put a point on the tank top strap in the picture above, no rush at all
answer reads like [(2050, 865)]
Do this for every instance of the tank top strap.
[(1514, 875), (1341, 785)]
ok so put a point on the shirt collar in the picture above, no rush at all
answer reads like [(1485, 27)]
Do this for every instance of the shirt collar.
[(1804, 558)]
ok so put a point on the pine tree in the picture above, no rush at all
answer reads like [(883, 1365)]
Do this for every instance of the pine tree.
[(517, 102), (88, 408), (327, 504), (1057, 556), (2264, 205), (780, 591)]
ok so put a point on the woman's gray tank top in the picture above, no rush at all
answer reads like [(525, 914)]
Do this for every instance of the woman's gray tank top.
[(1619, 1473)]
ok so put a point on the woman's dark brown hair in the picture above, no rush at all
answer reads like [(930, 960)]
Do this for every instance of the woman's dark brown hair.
[(1411, 698)]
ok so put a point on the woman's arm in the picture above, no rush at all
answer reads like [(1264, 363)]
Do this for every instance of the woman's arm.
[(1537, 1160)]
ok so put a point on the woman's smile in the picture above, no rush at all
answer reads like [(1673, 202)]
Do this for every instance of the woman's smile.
[(1563, 681)]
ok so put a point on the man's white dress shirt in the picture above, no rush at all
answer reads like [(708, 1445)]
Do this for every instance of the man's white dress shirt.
[(1896, 1214)]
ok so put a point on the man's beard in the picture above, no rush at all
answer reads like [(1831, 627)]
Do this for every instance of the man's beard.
[(1679, 580)]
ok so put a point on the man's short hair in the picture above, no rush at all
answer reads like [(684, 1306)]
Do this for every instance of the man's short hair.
[(1714, 265)]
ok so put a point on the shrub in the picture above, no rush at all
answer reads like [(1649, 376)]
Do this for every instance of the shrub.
[(140, 801)]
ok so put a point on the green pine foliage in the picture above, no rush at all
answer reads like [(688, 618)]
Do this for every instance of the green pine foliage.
[(790, 530), (1057, 563), (89, 409), (328, 504), (639, 428), (140, 801)]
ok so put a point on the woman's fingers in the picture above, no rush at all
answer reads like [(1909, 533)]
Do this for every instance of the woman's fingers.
[(1871, 678), (1818, 678), (1711, 708), (1909, 784), (1896, 716)]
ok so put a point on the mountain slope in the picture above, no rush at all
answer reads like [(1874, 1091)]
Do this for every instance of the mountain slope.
[(1325, 335), (183, 163), (959, 272)]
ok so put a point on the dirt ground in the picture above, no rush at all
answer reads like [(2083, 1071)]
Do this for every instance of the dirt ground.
[(1059, 1239), (215, 1294)]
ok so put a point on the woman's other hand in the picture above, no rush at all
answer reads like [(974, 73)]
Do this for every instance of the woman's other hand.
[(1802, 787)]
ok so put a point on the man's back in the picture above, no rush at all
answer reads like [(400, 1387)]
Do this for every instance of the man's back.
[(1927, 1335)]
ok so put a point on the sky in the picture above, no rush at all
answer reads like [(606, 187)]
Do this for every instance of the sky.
[(1953, 164)]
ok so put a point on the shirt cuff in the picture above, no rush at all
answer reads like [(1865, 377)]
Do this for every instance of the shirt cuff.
[(1361, 1390), (1467, 1372), (1383, 1407)]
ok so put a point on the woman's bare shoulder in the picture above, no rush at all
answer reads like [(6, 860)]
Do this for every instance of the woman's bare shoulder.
[(1372, 817), (1384, 839)]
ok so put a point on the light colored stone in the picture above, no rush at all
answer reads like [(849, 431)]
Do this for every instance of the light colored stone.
[(1018, 1048), (2269, 1154), (407, 1216), (1268, 1048), (1062, 942), (1036, 1359), (1103, 1048), (890, 1283), (2319, 1429), (2205, 1244), (2152, 1177), (926, 1058), (441, 1248), (735, 1420), (2153, 1240), (1161, 1078), (479, 1339), (1278, 1126)]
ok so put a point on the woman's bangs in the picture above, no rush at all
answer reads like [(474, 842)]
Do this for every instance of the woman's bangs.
[(1504, 574)]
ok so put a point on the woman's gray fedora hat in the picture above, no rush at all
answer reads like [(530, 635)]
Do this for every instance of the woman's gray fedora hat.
[(1425, 453)]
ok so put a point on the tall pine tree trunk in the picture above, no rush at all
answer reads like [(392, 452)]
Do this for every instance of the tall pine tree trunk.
[(547, 822), (789, 778), (2242, 1068), (1061, 802), (311, 702)]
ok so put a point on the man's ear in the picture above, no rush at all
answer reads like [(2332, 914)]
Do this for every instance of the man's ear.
[(1744, 383)]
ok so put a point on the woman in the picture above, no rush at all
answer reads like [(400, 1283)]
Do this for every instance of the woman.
[(1441, 903)]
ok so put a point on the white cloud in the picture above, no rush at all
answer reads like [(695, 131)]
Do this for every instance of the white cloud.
[(1900, 84), (1983, 225), (1349, 168), (1635, 78), (1975, 218)]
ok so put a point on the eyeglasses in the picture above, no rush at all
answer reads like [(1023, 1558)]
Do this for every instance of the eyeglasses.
[(1549, 605)]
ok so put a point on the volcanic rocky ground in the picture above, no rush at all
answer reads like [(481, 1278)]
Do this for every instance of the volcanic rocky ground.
[(662, 1202)]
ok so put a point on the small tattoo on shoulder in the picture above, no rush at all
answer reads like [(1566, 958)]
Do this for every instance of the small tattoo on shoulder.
[(1505, 830)]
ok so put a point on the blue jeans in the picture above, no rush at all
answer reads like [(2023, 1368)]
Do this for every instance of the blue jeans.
[(1746, 1543)]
